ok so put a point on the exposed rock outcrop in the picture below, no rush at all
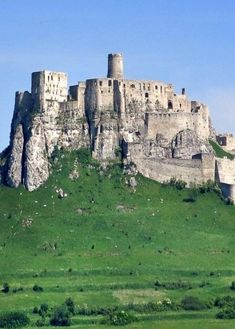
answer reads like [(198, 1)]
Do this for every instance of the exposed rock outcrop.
[(187, 143), (14, 172), (36, 166)]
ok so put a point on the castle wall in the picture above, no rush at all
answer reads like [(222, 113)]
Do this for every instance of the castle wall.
[(191, 171), (169, 124), (138, 96), (150, 96)]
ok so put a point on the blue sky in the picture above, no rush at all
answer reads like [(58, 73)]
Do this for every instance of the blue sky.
[(188, 43)]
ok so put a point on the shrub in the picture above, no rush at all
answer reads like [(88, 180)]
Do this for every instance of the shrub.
[(13, 320), (70, 305), (191, 303), (209, 186), (178, 183), (43, 310), (118, 152), (5, 287), (84, 156), (40, 322), (232, 287), (226, 301), (35, 310), (61, 317), (37, 288), (173, 285), (121, 318), (15, 290), (227, 313)]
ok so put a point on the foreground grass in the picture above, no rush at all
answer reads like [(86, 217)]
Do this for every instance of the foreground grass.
[(104, 245)]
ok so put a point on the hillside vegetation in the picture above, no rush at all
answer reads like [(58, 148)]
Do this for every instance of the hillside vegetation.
[(219, 152), (89, 236)]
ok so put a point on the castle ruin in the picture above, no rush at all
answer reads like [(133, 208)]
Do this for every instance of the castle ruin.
[(163, 133)]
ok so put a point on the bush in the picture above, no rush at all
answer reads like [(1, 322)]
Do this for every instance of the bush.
[(13, 320), (5, 287), (43, 310), (191, 303), (35, 310), (40, 322), (227, 313), (15, 290), (70, 305), (118, 152), (37, 288), (84, 156), (61, 317), (178, 183), (121, 318), (173, 285), (226, 301), (209, 186), (232, 287)]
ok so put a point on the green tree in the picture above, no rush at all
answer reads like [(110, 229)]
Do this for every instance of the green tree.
[(61, 317)]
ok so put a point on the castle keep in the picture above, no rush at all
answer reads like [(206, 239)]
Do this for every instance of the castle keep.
[(164, 133)]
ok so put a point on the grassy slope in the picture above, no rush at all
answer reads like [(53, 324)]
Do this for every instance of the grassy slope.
[(219, 152), (115, 254)]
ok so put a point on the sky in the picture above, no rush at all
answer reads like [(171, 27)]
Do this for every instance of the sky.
[(189, 43)]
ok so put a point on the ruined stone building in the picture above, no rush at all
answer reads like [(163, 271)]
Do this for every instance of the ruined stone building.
[(163, 133)]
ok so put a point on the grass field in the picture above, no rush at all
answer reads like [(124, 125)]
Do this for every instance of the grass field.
[(105, 245)]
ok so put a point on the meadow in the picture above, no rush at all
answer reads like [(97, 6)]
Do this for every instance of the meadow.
[(106, 245)]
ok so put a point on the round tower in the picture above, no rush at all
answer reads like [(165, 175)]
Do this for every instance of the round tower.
[(115, 66)]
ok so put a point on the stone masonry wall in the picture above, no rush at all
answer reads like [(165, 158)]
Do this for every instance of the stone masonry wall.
[(169, 124), (194, 171)]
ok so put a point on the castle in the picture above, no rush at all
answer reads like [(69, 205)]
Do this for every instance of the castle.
[(163, 133)]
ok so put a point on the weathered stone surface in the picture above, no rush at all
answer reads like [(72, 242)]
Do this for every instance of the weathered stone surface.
[(187, 144), (36, 166), (14, 173)]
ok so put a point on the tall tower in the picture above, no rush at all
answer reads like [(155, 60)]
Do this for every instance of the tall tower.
[(115, 66)]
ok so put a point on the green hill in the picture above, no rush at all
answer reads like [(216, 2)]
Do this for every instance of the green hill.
[(106, 246)]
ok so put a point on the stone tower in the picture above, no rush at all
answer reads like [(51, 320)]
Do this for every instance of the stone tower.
[(115, 66)]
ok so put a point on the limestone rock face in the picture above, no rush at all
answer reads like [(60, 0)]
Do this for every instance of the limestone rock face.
[(35, 132), (105, 139), (187, 143), (36, 166), (14, 173)]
